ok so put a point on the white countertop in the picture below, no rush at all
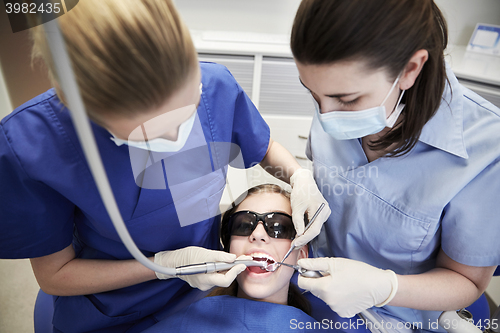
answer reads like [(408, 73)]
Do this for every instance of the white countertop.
[(474, 66), (468, 65)]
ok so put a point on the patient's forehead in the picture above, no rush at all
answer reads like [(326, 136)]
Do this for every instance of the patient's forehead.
[(266, 202)]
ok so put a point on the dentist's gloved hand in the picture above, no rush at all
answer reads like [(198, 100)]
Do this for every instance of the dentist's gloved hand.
[(195, 255), (352, 285), (306, 197)]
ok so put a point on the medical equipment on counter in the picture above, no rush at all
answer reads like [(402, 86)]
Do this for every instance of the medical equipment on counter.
[(307, 227), (210, 267)]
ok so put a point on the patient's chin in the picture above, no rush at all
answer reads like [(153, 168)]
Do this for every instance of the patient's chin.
[(260, 293), (273, 289)]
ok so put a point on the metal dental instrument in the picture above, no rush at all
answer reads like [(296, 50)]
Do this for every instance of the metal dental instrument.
[(307, 228), (305, 272), (210, 267)]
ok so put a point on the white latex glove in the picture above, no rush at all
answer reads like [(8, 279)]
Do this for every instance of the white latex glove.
[(306, 197), (352, 285), (195, 255)]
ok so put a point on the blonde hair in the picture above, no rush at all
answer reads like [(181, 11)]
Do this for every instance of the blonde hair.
[(127, 55)]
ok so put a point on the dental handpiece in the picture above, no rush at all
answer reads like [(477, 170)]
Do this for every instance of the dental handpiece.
[(215, 266)]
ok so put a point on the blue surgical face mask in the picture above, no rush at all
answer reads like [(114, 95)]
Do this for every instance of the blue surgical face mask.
[(161, 144), (346, 125)]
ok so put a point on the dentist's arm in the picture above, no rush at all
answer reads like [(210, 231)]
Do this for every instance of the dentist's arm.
[(449, 286), (278, 162), (354, 286), (305, 196), (62, 274)]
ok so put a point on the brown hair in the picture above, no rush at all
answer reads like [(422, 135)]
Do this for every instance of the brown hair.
[(127, 55), (295, 297), (225, 237), (385, 34)]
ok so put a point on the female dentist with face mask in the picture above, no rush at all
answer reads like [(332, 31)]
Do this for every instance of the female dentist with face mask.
[(413, 179), (158, 116)]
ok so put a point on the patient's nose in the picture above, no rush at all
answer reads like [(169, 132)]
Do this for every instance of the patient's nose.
[(259, 234)]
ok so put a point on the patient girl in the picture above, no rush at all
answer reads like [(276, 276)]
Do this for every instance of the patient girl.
[(261, 227)]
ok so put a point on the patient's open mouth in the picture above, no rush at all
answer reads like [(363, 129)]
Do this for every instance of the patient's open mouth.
[(261, 257)]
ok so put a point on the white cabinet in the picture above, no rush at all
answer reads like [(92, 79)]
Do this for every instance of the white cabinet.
[(291, 132), (281, 92), (273, 85), (478, 72), (242, 67)]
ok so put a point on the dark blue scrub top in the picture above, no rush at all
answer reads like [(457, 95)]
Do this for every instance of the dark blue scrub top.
[(49, 199)]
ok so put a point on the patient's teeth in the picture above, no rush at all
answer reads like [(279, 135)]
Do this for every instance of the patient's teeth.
[(258, 255)]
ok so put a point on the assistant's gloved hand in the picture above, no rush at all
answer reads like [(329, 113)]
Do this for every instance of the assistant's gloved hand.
[(306, 197), (352, 285), (195, 255)]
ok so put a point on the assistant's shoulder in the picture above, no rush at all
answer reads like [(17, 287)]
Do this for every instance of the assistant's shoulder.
[(481, 127), (34, 105), (34, 126), (472, 101), (217, 75)]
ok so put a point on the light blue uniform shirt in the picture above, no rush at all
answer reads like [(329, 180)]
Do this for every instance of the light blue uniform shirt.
[(396, 213)]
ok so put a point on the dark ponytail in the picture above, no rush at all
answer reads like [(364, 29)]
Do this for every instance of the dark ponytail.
[(385, 34)]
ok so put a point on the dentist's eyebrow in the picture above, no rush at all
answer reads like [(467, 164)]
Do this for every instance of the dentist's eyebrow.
[(332, 96)]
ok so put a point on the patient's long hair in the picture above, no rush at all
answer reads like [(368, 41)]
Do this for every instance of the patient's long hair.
[(295, 297)]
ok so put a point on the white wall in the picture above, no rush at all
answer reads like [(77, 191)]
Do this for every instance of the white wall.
[(463, 15), (276, 16), (265, 16), (5, 104)]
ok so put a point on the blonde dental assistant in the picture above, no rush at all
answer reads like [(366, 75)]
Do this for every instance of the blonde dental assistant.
[(407, 158), (134, 62)]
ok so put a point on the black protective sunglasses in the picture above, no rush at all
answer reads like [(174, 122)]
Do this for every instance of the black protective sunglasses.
[(276, 224)]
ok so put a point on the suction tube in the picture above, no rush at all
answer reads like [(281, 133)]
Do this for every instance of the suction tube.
[(82, 125)]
